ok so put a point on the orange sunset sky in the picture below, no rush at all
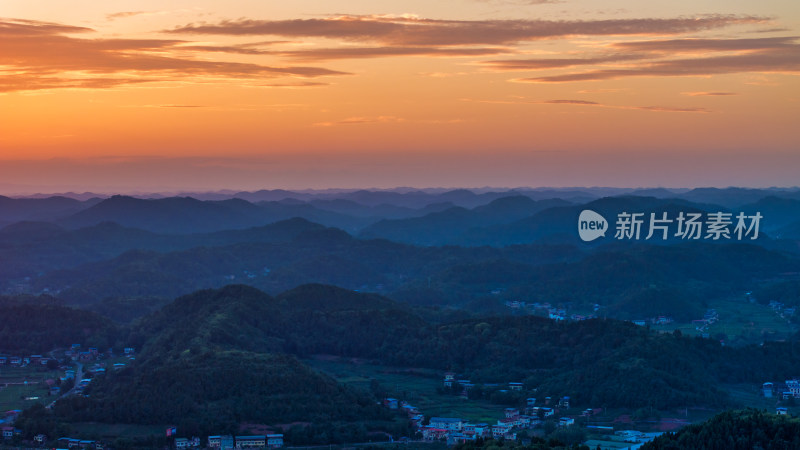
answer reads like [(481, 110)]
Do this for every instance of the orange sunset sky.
[(146, 96)]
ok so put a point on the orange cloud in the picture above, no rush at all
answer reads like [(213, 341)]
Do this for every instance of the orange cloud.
[(786, 60), (406, 31), (40, 55)]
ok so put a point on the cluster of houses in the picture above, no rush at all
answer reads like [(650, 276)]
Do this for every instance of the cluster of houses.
[(456, 430), (660, 320), (216, 442), (781, 309), (23, 361), (64, 442), (790, 389), (550, 311), (228, 442)]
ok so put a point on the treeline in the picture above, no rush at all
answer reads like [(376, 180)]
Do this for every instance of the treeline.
[(214, 392), (535, 444), (596, 362), (217, 358), (38, 325), (734, 430)]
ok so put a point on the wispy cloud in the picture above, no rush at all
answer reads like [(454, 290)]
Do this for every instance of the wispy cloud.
[(784, 60), (361, 120), (70, 62), (589, 103), (557, 63), (709, 94), (124, 14), (323, 54), (408, 31), (700, 45)]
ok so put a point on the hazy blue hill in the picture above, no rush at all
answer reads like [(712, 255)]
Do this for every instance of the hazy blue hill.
[(430, 229), (319, 297), (187, 215), (39, 209), (790, 231), (275, 195), (175, 215), (445, 227), (273, 211), (280, 231), (25, 232), (329, 269), (32, 248), (777, 212), (559, 223), (734, 197), (657, 192)]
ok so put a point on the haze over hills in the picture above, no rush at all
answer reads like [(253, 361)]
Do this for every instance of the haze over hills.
[(230, 297)]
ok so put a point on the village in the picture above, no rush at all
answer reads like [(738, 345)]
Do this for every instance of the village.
[(80, 366)]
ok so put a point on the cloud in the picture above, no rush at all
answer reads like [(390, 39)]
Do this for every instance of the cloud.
[(323, 54), (557, 63), (578, 102), (124, 14), (34, 52), (699, 45), (409, 31), (711, 94), (783, 60), (302, 84), (361, 120), (570, 102)]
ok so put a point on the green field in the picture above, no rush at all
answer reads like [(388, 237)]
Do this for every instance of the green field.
[(417, 386), (742, 322), (19, 383)]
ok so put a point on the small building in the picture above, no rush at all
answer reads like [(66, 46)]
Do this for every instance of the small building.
[(40, 438), (793, 387), (564, 403), (220, 442), (566, 421), (8, 432), (767, 389), (781, 411), (390, 403), (274, 440), (511, 413), (258, 441), (515, 386), (449, 377), (446, 423), (181, 443)]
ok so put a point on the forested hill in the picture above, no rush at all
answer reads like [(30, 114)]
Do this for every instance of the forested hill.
[(734, 430), (200, 354), (37, 325)]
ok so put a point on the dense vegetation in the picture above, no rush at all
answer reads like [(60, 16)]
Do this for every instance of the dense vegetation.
[(535, 444), (734, 430), (38, 325), (213, 358), (215, 391)]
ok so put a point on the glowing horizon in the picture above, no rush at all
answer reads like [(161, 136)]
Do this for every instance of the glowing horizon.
[(131, 96)]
